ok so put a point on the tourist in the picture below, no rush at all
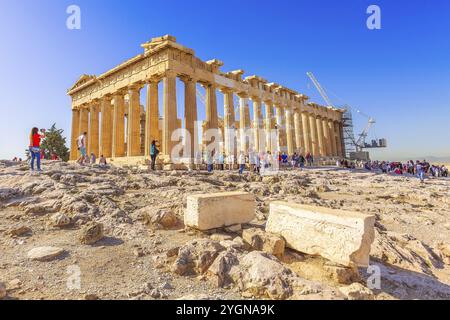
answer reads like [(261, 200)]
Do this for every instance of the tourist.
[(102, 161), (221, 160), (81, 142), (257, 163), (209, 161), (241, 161), (444, 171), (93, 158), (198, 160), (420, 171), (153, 155), (35, 147), (294, 160), (301, 161)]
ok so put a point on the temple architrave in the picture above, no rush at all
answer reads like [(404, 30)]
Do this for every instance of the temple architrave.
[(108, 108)]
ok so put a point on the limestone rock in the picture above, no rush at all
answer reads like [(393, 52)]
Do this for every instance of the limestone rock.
[(262, 275), (45, 253), (357, 291), (60, 220), (91, 233), (19, 231), (341, 236), (342, 274), (216, 210), (264, 241), (196, 256), (162, 218), (220, 268), (2, 290)]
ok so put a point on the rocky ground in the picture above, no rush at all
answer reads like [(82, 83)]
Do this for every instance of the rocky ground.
[(93, 233)]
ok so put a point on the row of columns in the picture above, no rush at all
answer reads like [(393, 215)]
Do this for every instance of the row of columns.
[(297, 131)]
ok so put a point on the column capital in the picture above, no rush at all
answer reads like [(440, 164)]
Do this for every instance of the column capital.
[(255, 99), (225, 90), (135, 87), (268, 102), (242, 95), (188, 78)]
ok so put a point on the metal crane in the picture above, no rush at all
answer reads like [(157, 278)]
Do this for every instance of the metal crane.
[(361, 142)]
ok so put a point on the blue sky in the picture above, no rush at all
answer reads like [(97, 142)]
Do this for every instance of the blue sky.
[(400, 74)]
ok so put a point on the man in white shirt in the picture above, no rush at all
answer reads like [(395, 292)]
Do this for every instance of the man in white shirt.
[(81, 143)]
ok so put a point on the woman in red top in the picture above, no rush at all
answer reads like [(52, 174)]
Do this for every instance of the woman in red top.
[(35, 144)]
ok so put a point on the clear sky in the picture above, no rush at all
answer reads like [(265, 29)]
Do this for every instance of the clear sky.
[(400, 74)]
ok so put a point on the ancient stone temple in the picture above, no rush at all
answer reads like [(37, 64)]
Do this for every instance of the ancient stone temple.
[(108, 108)]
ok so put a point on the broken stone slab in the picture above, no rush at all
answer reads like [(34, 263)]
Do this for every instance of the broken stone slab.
[(44, 253), (357, 291), (217, 210), (340, 236), (264, 241)]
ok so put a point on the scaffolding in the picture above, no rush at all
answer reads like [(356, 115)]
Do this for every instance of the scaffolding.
[(349, 135)]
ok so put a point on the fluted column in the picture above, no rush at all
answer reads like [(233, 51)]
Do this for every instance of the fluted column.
[(74, 134), (257, 123), (151, 115), (170, 111), (106, 127), (326, 138), (269, 125), (306, 133), (313, 135), (298, 126), (244, 122), (93, 129), (229, 120), (118, 139), (340, 139), (134, 122), (289, 131), (319, 128), (332, 135), (190, 115)]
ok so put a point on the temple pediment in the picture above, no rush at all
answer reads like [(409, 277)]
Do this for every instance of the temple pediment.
[(85, 78)]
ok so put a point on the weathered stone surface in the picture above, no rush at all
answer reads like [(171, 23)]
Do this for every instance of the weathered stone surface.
[(196, 256), (357, 291), (2, 290), (216, 210), (264, 241), (19, 231), (220, 268), (60, 220), (160, 218), (91, 233), (341, 236), (44, 253)]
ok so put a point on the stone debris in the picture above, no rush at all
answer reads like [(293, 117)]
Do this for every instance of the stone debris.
[(91, 233), (45, 253), (341, 236), (216, 210), (357, 291), (19, 231), (60, 220), (160, 219), (264, 241), (2, 290)]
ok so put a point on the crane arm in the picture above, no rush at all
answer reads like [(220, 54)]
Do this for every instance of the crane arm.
[(320, 89)]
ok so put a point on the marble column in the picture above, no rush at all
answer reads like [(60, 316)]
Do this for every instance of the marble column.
[(118, 138), (244, 122), (257, 123), (93, 135), (306, 133), (229, 124), (269, 125), (289, 131), (106, 127), (190, 116), (211, 111), (298, 126), (313, 135), (340, 138), (320, 136), (326, 138), (74, 134), (170, 111), (151, 116), (332, 138), (134, 122)]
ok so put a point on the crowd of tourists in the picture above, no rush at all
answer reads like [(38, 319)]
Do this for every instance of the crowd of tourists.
[(415, 168), (257, 162)]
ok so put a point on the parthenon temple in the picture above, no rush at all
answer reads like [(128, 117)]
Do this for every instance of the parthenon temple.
[(108, 109)]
